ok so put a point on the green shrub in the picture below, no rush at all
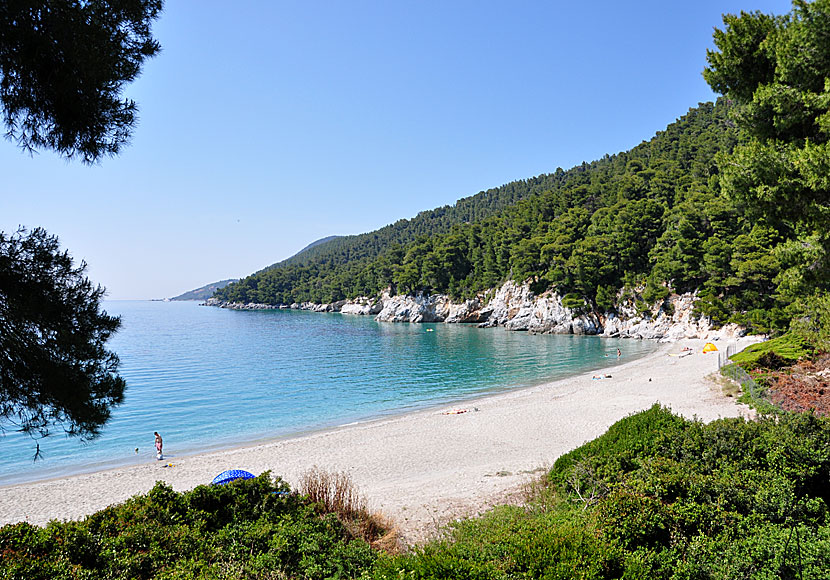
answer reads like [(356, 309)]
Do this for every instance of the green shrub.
[(811, 320), (782, 351), (656, 496), (618, 450), (511, 542), (246, 529)]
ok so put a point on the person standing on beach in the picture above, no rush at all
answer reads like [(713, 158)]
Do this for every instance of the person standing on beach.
[(159, 444)]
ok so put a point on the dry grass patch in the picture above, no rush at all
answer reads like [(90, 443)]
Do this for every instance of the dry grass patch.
[(336, 493), (728, 387)]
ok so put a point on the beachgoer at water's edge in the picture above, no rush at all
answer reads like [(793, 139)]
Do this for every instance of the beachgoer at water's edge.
[(159, 444)]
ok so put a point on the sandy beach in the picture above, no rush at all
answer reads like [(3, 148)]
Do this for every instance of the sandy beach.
[(426, 468)]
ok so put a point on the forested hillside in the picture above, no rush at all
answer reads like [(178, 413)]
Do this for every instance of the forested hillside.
[(204, 292), (337, 250), (648, 214), (731, 200)]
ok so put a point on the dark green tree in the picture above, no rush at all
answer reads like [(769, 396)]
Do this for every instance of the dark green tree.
[(54, 365), (63, 67), (777, 71)]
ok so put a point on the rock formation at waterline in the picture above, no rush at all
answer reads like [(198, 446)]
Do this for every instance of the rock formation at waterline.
[(516, 307)]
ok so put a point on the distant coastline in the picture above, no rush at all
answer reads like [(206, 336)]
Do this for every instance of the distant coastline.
[(204, 292)]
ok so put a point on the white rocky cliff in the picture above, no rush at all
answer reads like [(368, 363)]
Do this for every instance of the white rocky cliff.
[(515, 307)]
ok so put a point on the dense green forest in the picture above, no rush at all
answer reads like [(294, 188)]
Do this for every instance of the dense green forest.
[(657, 496), (651, 219), (731, 200), (550, 227)]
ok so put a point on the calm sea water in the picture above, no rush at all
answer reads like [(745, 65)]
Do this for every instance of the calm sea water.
[(208, 378)]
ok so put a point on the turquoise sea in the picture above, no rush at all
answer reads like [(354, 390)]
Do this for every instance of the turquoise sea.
[(208, 378)]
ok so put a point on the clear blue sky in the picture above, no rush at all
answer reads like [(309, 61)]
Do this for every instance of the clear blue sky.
[(267, 125)]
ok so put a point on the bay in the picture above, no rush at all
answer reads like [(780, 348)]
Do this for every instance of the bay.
[(208, 378)]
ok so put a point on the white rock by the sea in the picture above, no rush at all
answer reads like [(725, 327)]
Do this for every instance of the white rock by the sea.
[(362, 306), (418, 308), (516, 307)]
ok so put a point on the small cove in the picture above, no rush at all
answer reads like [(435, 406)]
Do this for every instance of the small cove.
[(208, 378)]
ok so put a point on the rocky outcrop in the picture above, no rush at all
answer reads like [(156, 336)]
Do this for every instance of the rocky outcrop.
[(418, 308), (363, 306), (673, 320), (516, 307), (241, 305), (468, 312), (333, 307)]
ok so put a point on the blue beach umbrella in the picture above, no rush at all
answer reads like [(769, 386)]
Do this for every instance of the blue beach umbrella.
[(229, 475)]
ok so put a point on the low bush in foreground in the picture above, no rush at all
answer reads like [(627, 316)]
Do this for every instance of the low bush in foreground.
[(657, 496), (246, 529)]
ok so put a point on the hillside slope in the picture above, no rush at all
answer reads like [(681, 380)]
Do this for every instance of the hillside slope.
[(651, 219), (204, 292)]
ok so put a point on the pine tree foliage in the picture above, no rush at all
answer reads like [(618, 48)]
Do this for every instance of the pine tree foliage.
[(731, 201), (63, 67), (777, 72), (54, 366)]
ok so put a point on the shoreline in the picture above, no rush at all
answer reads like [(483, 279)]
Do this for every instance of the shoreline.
[(61, 472), (390, 415), (422, 468)]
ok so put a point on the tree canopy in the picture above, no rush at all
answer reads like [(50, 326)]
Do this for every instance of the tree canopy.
[(776, 70), (63, 67), (54, 366), (651, 217), (732, 201)]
